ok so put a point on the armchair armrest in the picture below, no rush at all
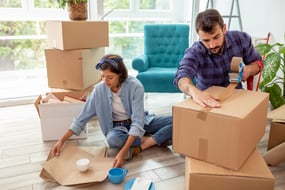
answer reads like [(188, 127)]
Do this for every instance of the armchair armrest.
[(140, 63)]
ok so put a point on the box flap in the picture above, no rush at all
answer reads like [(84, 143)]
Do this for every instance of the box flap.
[(255, 166), (238, 105), (37, 102), (277, 114), (80, 95)]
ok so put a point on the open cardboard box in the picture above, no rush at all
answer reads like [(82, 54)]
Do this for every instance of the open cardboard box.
[(224, 136), (276, 141), (70, 35), (277, 128), (56, 118), (74, 69), (254, 174)]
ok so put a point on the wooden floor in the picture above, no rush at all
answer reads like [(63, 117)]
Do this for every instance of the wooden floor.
[(22, 151)]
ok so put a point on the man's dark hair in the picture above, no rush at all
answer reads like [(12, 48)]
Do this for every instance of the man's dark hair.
[(207, 20)]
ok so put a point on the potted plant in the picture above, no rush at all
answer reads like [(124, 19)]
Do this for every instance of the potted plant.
[(77, 9), (273, 72)]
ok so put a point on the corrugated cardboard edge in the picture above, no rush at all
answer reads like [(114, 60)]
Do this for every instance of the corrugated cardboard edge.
[(277, 115), (37, 102), (211, 169)]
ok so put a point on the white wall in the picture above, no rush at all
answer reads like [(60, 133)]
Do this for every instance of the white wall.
[(262, 16), (258, 17)]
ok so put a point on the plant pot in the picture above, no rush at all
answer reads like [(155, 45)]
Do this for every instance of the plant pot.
[(77, 11)]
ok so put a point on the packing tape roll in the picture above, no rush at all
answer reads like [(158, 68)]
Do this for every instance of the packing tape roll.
[(235, 64)]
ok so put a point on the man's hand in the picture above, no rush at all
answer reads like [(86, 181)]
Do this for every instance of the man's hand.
[(205, 99)]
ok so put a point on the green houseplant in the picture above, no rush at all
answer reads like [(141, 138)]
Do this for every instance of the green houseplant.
[(273, 72), (77, 9)]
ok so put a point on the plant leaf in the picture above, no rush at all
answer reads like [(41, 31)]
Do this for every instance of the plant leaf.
[(263, 49), (271, 66), (282, 49), (275, 95)]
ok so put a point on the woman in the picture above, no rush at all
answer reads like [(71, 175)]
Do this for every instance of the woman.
[(118, 103)]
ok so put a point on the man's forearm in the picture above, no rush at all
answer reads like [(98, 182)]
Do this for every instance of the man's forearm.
[(255, 67), (186, 86)]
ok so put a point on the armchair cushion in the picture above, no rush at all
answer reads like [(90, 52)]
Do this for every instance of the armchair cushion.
[(158, 79), (140, 63), (164, 46)]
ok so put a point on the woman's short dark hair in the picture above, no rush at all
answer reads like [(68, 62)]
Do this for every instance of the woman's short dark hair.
[(207, 20), (115, 64)]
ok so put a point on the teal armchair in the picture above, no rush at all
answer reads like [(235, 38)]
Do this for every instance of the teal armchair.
[(164, 46)]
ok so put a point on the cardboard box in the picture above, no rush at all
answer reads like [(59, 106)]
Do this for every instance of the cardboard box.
[(276, 134), (70, 35), (225, 136), (74, 69), (56, 118), (254, 174), (277, 128)]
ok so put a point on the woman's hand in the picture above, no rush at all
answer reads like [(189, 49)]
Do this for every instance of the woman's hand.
[(119, 160), (55, 150)]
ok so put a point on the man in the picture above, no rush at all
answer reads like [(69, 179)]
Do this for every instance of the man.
[(208, 61)]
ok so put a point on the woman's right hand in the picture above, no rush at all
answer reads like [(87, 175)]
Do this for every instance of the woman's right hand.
[(55, 150)]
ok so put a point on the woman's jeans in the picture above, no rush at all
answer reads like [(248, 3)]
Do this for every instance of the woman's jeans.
[(160, 128)]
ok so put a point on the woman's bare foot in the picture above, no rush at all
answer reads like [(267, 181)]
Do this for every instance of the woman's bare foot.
[(147, 141)]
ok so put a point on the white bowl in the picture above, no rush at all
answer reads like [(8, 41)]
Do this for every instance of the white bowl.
[(83, 164)]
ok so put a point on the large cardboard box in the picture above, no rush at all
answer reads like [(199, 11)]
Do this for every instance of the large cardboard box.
[(74, 69), (224, 136), (56, 118), (277, 128), (254, 174), (70, 35)]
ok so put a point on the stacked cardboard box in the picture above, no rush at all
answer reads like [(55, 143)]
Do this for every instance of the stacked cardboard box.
[(219, 142), (74, 48)]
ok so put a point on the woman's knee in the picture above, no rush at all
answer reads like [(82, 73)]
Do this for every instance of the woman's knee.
[(114, 140)]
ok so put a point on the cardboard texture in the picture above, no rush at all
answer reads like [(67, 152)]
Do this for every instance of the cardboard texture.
[(254, 174), (56, 118), (275, 155), (73, 69), (277, 128), (70, 35), (276, 134), (224, 136), (278, 114), (63, 169)]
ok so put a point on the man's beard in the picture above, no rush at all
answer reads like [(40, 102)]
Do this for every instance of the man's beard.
[(217, 49)]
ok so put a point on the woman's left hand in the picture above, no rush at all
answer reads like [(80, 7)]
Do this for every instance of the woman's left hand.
[(119, 160)]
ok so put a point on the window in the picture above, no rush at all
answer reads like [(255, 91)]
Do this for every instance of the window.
[(127, 19), (23, 36)]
